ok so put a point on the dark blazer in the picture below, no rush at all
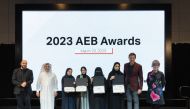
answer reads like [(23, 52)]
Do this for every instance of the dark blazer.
[(136, 78), (20, 76)]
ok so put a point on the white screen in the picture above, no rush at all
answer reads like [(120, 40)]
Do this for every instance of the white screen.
[(146, 27)]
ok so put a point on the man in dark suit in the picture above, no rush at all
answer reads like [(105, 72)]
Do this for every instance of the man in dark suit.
[(133, 81), (22, 79)]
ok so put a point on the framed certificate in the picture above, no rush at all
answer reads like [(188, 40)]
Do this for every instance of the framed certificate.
[(118, 84), (118, 89), (69, 89), (81, 84), (81, 88), (99, 89), (69, 85), (98, 85)]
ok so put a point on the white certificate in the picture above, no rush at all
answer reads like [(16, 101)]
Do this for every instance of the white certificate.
[(98, 89), (118, 89), (81, 88), (69, 89)]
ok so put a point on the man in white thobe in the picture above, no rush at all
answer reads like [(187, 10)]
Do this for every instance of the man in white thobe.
[(46, 87)]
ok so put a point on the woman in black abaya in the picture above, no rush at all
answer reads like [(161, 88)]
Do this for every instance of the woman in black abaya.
[(116, 100)]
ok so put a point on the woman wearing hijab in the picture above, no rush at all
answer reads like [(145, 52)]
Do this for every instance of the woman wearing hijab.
[(68, 99), (83, 97), (116, 100), (99, 100), (46, 87), (156, 82)]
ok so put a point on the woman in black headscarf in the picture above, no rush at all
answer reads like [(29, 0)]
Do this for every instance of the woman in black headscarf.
[(68, 99), (116, 100), (99, 100)]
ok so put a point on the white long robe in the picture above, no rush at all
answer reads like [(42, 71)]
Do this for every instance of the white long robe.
[(47, 85)]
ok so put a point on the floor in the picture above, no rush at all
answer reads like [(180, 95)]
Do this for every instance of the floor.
[(37, 107)]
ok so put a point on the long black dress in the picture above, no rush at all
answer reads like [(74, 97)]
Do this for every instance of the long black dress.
[(116, 101), (99, 101)]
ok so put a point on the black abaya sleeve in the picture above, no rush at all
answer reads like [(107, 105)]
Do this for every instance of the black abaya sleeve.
[(62, 84), (109, 82)]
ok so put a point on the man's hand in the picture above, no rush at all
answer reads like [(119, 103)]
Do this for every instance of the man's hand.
[(38, 94), (23, 84), (139, 91)]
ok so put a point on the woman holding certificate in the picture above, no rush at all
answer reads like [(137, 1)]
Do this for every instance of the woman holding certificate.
[(68, 97), (99, 89), (83, 96), (115, 99)]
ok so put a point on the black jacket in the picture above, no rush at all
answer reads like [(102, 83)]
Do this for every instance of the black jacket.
[(20, 76)]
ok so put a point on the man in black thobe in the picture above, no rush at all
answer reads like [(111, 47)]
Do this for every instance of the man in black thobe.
[(22, 79)]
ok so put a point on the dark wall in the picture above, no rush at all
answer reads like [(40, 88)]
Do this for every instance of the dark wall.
[(179, 76), (181, 66), (7, 59)]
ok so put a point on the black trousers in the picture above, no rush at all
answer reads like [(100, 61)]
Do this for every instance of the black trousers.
[(23, 101)]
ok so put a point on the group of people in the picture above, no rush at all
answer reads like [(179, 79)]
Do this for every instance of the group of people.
[(47, 87)]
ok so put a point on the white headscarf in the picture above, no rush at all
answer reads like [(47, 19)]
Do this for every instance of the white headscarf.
[(45, 76), (43, 68)]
